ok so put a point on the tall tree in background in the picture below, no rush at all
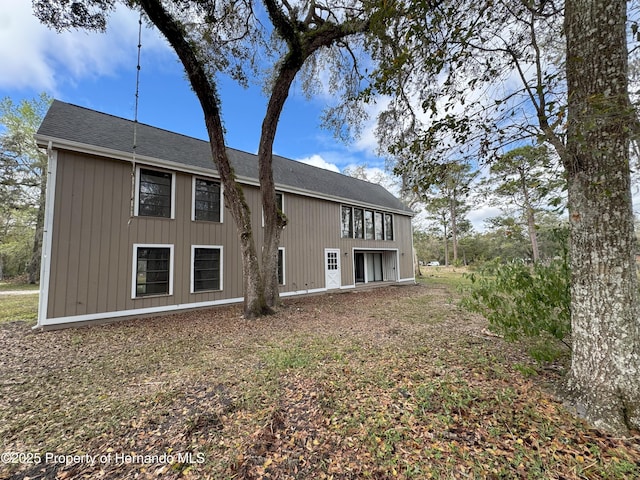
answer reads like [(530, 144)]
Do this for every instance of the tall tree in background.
[(445, 190), (438, 212), (462, 61), (23, 169), (213, 37), (526, 178), (605, 365)]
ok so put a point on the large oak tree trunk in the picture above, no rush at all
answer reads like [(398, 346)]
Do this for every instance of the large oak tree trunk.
[(274, 220), (205, 89), (605, 369)]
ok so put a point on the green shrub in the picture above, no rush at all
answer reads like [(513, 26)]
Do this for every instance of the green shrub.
[(525, 302)]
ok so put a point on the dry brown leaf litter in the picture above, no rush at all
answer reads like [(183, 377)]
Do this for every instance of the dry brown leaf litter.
[(394, 382)]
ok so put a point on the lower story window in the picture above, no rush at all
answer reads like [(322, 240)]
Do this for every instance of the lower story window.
[(206, 273), (281, 266), (153, 270)]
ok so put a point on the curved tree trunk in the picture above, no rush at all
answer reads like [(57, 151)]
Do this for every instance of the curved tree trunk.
[(274, 220), (605, 369), (205, 89)]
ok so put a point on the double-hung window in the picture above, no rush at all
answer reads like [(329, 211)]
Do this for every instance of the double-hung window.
[(152, 270), (207, 200), (154, 193), (206, 268)]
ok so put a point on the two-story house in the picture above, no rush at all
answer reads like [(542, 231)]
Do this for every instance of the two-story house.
[(136, 233)]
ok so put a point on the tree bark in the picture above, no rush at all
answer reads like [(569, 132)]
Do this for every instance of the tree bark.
[(446, 247), (604, 380), (454, 227), (302, 41), (205, 89), (274, 220), (531, 220)]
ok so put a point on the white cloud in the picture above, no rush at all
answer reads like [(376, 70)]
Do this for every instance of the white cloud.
[(35, 57), (318, 161), (478, 216), (368, 140)]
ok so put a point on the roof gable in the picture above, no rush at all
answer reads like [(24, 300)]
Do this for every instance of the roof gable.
[(65, 122)]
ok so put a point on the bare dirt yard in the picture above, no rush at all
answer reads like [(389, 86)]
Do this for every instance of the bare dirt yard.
[(396, 382)]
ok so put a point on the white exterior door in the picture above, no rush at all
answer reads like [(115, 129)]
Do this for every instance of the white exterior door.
[(332, 268)]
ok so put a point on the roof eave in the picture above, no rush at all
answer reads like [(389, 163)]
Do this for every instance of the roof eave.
[(45, 141)]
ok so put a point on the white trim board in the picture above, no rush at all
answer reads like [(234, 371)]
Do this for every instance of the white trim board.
[(47, 236)]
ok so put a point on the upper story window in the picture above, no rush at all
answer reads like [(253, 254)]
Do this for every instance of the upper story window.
[(358, 223), (207, 200), (280, 201), (388, 226), (155, 191), (347, 222), (378, 225), (279, 204), (366, 224)]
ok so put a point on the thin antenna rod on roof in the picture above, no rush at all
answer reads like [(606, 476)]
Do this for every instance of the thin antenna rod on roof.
[(135, 124), (135, 117)]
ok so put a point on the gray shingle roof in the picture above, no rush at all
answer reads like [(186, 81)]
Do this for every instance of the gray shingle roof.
[(71, 123)]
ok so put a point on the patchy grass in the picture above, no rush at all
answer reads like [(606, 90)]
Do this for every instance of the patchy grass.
[(387, 383), (22, 307), (18, 286), (444, 277)]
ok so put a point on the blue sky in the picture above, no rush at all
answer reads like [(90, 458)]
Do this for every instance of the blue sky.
[(98, 71)]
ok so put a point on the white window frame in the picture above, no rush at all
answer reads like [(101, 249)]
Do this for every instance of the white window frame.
[(136, 208), (283, 210), (192, 267), (193, 197), (134, 268)]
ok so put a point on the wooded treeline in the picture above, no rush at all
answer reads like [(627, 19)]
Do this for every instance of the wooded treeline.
[(23, 169)]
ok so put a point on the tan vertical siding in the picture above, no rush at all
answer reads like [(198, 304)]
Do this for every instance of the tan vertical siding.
[(93, 237)]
